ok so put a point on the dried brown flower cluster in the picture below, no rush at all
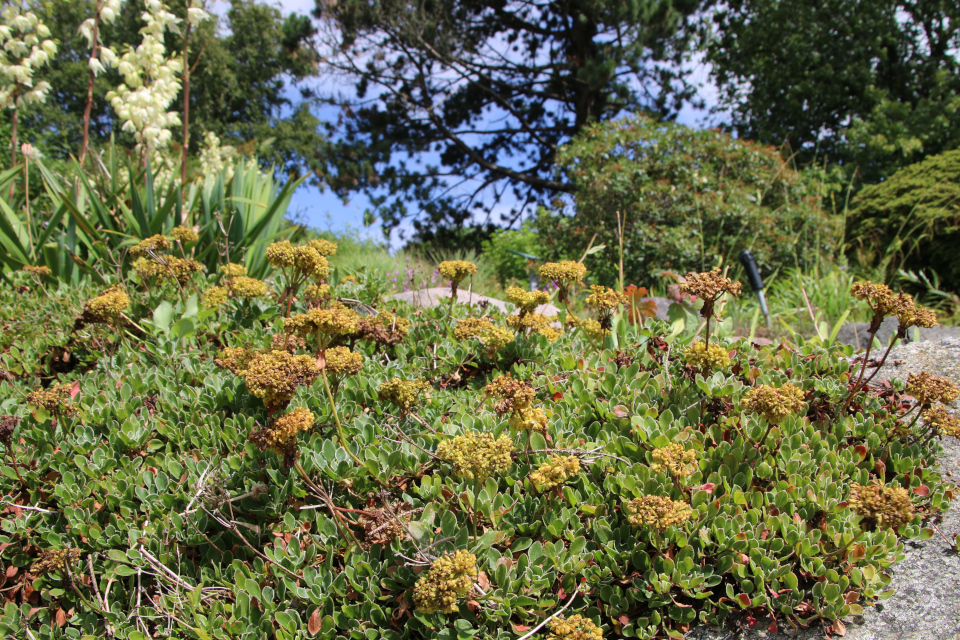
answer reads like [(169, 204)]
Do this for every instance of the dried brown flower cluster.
[(281, 435), (709, 286), (403, 394), (55, 560), (555, 472), (928, 389), (884, 302), (674, 460), (55, 400), (154, 244), (449, 578), (527, 301), (475, 456), (37, 271), (881, 506), (385, 525), (575, 627), (327, 326), (384, 328), (772, 403), (657, 512), (108, 307), (707, 358), (272, 376), (516, 398), (184, 234), (565, 274), (341, 361), (942, 422)]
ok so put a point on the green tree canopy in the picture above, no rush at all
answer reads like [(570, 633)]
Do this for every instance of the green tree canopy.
[(459, 102), (689, 200), (873, 84), (912, 219)]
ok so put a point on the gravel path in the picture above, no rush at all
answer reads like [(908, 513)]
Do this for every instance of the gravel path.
[(926, 603)]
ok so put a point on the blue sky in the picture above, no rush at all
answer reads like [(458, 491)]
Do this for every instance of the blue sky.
[(328, 212)]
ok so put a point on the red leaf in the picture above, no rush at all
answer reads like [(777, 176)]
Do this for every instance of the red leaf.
[(74, 390), (709, 487), (773, 627), (520, 628), (11, 571), (744, 600), (557, 396), (61, 618), (922, 490), (861, 451), (313, 624), (621, 411), (838, 628)]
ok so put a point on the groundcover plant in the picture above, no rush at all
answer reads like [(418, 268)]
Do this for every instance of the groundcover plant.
[(193, 455)]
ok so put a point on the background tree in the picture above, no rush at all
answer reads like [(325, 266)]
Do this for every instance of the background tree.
[(460, 105), (873, 84), (687, 199)]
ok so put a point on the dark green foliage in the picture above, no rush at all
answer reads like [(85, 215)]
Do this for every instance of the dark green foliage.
[(509, 266), (872, 84), (185, 529), (690, 200), (461, 101), (912, 220)]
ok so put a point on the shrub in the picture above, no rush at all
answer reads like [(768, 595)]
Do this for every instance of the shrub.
[(511, 267), (911, 220), (205, 475), (688, 199)]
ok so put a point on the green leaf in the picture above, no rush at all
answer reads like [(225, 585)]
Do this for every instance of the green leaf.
[(163, 316)]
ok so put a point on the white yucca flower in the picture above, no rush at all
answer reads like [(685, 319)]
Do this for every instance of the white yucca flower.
[(24, 53)]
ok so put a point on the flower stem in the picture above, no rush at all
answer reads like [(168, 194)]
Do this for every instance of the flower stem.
[(336, 418)]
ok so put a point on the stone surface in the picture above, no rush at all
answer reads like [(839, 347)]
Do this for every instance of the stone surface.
[(439, 295), (926, 601), (855, 333)]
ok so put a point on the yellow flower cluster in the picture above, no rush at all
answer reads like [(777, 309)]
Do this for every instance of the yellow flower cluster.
[(928, 388), (942, 422), (56, 400), (880, 505), (709, 285), (244, 287), (326, 248), (107, 307), (275, 375), (475, 456), (166, 268), (558, 470), (234, 359), (576, 627), (564, 273), (403, 394), (491, 335), (305, 260), (674, 460), (332, 324), (317, 291), (281, 436), (657, 512), (37, 271), (184, 234), (55, 560), (604, 299), (593, 329), (456, 270), (772, 403), (529, 419), (705, 357), (535, 322), (233, 270), (340, 361), (153, 244), (214, 297), (449, 578), (527, 301)]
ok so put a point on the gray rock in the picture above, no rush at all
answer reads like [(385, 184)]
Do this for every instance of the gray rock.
[(432, 297), (926, 600), (855, 333)]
